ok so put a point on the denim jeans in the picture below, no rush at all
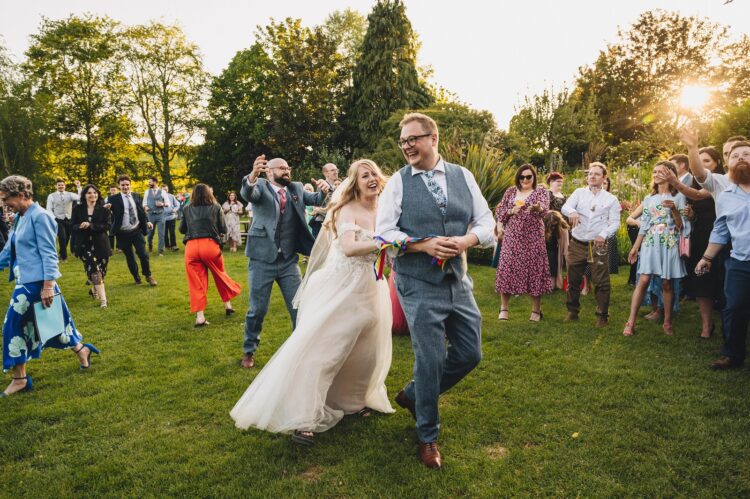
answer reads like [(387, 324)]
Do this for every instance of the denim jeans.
[(436, 312), (736, 313)]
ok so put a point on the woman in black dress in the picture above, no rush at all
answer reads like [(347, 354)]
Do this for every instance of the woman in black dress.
[(91, 224)]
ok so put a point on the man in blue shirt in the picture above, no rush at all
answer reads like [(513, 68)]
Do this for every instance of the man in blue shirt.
[(733, 224)]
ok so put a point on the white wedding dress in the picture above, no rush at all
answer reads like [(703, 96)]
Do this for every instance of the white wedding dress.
[(336, 360)]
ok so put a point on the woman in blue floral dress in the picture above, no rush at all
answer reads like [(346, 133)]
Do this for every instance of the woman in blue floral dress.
[(31, 255), (658, 240)]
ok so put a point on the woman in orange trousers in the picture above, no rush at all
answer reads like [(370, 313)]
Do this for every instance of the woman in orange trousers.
[(203, 224)]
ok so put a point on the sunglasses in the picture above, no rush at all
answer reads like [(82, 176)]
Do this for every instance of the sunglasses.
[(526, 177)]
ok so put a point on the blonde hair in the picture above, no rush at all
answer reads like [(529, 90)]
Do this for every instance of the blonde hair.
[(600, 165), (428, 124), (351, 190)]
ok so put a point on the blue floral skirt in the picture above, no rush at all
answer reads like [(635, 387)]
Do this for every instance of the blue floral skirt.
[(20, 342)]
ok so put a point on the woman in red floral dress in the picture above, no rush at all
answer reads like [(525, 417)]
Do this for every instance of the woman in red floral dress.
[(523, 268)]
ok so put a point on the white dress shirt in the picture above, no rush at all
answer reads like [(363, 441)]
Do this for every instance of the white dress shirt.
[(389, 206), (599, 213), (60, 204), (715, 183), (127, 223)]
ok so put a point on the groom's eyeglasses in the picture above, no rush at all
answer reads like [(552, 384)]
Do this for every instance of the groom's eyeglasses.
[(411, 140)]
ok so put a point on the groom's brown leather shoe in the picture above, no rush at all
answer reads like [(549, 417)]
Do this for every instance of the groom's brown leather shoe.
[(430, 455), (248, 361), (406, 403)]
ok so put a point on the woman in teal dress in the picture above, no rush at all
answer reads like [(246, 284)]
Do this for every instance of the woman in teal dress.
[(658, 240), (31, 255)]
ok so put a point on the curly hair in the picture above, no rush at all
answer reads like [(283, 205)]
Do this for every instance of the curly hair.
[(351, 192), (16, 185)]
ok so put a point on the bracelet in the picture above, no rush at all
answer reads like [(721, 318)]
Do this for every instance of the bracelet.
[(707, 258)]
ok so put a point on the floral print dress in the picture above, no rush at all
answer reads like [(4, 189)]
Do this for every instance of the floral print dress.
[(20, 342), (660, 249)]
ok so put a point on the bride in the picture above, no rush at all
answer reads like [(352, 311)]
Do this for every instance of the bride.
[(336, 360)]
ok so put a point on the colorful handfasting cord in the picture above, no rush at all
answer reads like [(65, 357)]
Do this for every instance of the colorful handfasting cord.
[(398, 246)]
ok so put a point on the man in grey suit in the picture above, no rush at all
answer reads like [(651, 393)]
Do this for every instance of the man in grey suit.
[(441, 206), (278, 233)]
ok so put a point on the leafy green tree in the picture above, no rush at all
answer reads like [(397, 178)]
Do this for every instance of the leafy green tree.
[(167, 90), (734, 121), (634, 83), (75, 64), (385, 78), (347, 30)]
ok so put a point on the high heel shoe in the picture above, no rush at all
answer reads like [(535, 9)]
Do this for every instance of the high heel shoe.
[(92, 349), (29, 386)]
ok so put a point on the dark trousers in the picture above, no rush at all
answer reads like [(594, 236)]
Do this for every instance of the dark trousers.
[(170, 237), (736, 313), (112, 242), (127, 242), (633, 235), (315, 227), (64, 230), (578, 255)]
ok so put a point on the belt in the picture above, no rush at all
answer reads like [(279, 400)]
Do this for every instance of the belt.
[(580, 242)]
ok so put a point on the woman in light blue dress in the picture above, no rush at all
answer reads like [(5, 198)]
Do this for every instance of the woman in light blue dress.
[(31, 256), (658, 240)]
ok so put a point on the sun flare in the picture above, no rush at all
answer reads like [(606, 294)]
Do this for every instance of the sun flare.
[(695, 97)]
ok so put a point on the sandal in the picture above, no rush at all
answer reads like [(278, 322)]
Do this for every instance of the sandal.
[(366, 412), (306, 438), (503, 311), (201, 324), (92, 349), (539, 314), (629, 329), (667, 327)]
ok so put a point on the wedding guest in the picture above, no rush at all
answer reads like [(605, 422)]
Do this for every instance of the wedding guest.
[(440, 204), (154, 202), (112, 192), (331, 366), (612, 250), (274, 241), (633, 226), (733, 225), (233, 210), (331, 176), (556, 230), (60, 204), (203, 225), (594, 215), (31, 256), (658, 241), (523, 268), (714, 183), (171, 208), (91, 223), (309, 209), (682, 164), (130, 225)]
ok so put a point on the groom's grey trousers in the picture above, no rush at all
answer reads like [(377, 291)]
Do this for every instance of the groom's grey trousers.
[(436, 312), (261, 276)]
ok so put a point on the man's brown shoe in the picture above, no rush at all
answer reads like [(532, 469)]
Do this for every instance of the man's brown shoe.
[(725, 363), (430, 455), (602, 322), (572, 316), (407, 403), (151, 281), (248, 361)]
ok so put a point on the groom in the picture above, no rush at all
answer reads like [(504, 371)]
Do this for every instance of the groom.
[(430, 198), (278, 232)]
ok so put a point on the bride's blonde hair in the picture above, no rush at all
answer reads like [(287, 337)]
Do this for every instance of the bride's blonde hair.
[(350, 191)]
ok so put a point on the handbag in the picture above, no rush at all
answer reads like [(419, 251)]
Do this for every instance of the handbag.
[(685, 247)]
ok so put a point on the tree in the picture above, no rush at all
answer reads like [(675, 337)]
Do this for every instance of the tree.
[(167, 89), (347, 30), (74, 64), (734, 121), (634, 83), (385, 78), (238, 111)]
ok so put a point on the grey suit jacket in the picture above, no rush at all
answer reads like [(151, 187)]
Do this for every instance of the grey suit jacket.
[(262, 234)]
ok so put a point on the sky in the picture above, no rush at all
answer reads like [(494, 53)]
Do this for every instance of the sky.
[(489, 53)]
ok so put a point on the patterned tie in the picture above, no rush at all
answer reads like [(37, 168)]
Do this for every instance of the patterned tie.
[(436, 191), (282, 200), (131, 211)]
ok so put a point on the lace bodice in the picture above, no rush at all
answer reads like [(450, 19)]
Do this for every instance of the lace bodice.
[(357, 265)]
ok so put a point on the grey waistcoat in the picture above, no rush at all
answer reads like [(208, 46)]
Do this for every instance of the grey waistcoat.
[(286, 230), (152, 199), (421, 217)]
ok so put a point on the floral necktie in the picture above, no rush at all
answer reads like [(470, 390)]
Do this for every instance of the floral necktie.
[(436, 191)]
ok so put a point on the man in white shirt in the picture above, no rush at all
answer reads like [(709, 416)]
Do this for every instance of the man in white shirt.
[(594, 215), (440, 205), (60, 204)]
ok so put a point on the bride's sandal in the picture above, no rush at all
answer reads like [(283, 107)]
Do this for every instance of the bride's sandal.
[(306, 438), (629, 329)]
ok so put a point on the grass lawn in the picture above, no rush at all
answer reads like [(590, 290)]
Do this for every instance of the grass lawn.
[(554, 409)]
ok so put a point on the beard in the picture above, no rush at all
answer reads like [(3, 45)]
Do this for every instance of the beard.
[(740, 174), (285, 181)]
